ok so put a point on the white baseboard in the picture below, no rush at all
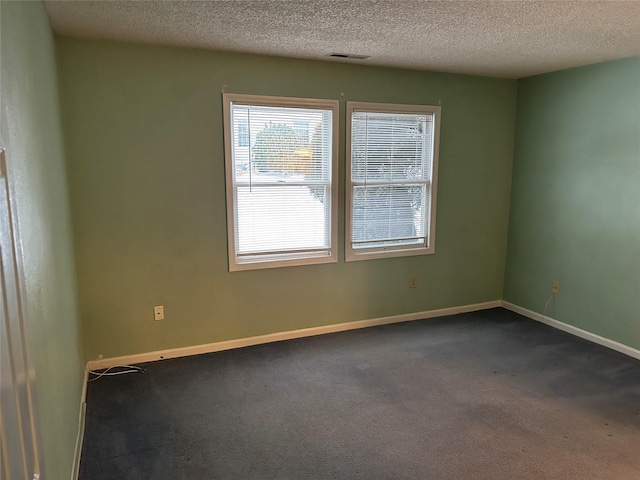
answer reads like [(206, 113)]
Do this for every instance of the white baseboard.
[(620, 347), (79, 439), (277, 337)]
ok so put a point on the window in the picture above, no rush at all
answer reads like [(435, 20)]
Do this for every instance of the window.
[(282, 186), (392, 164)]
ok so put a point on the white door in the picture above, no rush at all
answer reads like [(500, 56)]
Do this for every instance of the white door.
[(18, 433)]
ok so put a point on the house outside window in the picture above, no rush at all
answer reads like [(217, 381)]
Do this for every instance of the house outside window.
[(243, 132), (302, 129)]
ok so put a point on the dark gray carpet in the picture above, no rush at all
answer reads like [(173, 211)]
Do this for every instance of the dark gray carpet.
[(486, 395)]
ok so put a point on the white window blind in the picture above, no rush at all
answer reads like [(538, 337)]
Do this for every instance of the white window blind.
[(281, 181), (391, 162)]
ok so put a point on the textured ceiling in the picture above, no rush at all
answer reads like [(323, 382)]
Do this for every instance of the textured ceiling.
[(498, 38)]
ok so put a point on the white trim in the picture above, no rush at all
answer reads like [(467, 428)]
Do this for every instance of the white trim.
[(80, 438), (277, 337), (429, 245), (578, 332)]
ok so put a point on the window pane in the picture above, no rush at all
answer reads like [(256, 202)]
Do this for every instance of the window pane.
[(280, 218), (387, 146), (279, 147), (388, 214)]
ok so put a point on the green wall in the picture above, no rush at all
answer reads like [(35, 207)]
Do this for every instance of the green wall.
[(575, 208), (144, 139), (37, 168)]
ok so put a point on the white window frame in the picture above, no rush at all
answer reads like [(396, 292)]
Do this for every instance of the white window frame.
[(429, 245), (285, 259)]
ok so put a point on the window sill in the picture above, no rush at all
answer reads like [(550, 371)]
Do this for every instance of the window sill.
[(238, 266), (372, 254)]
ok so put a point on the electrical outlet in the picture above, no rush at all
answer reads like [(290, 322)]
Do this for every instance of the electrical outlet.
[(158, 312), (413, 283), (555, 287)]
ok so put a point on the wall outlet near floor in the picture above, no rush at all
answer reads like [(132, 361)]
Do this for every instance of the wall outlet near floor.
[(555, 287), (413, 282), (158, 312)]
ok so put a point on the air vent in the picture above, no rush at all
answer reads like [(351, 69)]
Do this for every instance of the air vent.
[(352, 56)]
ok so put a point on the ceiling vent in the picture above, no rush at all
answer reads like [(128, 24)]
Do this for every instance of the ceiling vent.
[(352, 56)]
